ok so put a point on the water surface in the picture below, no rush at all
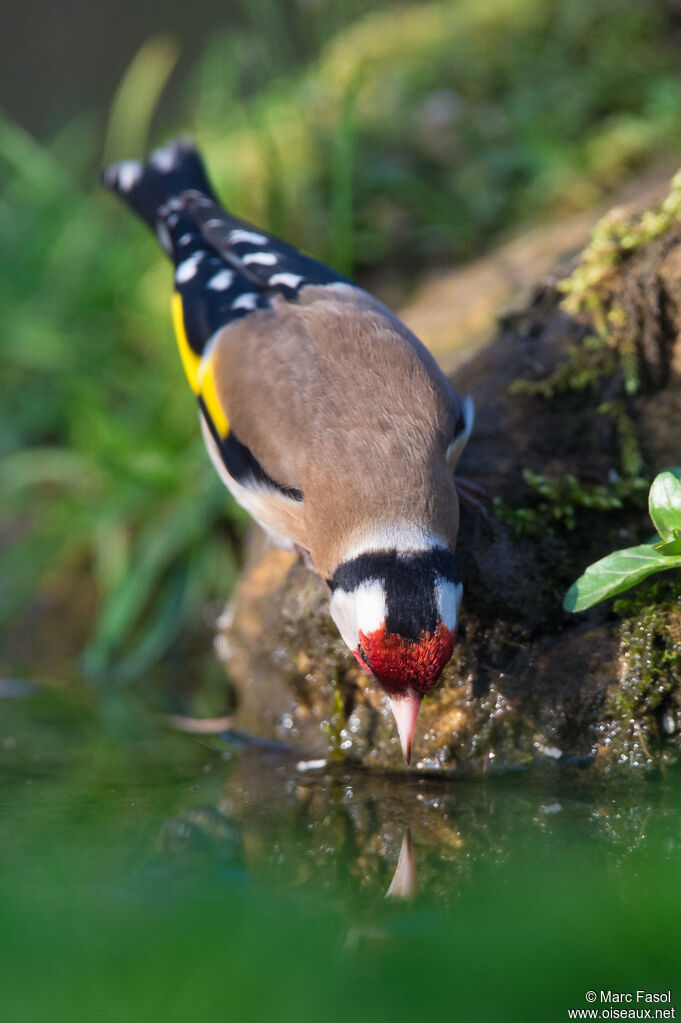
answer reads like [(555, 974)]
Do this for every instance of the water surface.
[(148, 875)]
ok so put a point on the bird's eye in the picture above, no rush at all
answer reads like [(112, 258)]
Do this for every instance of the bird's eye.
[(361, 656)]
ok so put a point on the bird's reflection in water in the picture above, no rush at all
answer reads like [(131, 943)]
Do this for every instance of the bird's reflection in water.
[(405, 882), (311, 824), (403, 887), (359, 837)]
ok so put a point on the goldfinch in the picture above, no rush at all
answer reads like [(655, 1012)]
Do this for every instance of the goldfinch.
[(326, 418)]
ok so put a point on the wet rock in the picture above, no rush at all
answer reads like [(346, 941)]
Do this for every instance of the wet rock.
[(528, 684)]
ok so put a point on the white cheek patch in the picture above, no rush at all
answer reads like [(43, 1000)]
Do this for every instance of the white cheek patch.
[(448, 596), (371, 606), (342, 610), (362, 610)]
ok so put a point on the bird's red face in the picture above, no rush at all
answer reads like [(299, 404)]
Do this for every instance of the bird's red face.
[(404, 666), (398, 614), (406, 669)]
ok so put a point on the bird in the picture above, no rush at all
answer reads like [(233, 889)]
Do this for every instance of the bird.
[(326, 418)]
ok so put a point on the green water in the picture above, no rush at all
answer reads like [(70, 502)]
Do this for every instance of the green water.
[(145, 875)]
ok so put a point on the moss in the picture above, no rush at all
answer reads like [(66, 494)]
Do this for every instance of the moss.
[(614, 292), (555, 503), (609, 294), (596, 291), (643, 708), (334, 727), (631, 460), (591, 288)]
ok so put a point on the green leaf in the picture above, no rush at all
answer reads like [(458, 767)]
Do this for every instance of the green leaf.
[(616, 573), (664, 503), (668, 547)]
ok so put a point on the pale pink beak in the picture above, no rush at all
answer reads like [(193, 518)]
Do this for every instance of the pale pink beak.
[(405, 882), (405, 711)]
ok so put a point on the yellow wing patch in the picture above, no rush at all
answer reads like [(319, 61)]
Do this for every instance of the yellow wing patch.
[(210, 397), (190, 360), (199, 370)]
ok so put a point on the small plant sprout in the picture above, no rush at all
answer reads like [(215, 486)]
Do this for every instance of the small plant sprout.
[(623, 569)]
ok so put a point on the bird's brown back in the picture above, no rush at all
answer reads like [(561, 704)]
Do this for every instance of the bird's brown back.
[(335, 397)]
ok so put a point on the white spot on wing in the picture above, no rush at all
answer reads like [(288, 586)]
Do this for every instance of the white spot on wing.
[(197, 198), (239, 235), (173, 204), (163, 159), (261, 258), (288, 280), (163, 235), (247, 301), (187, 270), (172, 219), (221, 281), (185, 239), (448, 596), (129, 173)]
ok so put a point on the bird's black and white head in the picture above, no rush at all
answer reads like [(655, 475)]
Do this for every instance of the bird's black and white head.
[(396, 608)]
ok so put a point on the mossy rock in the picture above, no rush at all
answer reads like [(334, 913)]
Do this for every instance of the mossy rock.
[(528, 685)]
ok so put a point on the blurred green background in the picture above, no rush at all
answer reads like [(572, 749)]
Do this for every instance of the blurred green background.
[(146, 876), (386, 138)]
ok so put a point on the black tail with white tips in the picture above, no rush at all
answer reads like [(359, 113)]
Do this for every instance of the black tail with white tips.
[(172, 193), (156, 191), (224, 267), (148, 187)]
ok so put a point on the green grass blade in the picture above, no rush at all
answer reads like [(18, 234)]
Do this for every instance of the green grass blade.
[(161, 628), (342, 254), (137, 97), (158, 547), (29, 159), (24, 469)]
